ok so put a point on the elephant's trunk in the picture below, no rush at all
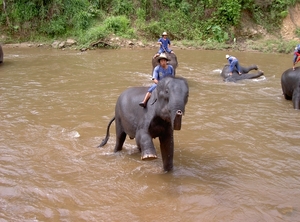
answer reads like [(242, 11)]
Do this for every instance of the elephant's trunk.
[(177, 120)]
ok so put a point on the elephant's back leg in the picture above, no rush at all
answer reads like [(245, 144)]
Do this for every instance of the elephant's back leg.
[(249, 68), (120, 135)]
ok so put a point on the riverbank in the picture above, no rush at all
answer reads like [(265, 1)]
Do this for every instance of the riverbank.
[(267, 45), (250, 36)]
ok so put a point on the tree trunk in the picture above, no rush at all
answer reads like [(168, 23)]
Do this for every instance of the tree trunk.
[(4, 9)]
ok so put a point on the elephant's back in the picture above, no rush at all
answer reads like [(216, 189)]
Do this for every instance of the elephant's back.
[(130, 98), (289, 81), (290, 76), (225, 71), (128, 112)]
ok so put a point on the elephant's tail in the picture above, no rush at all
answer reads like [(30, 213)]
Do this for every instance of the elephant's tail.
[(104, 141)]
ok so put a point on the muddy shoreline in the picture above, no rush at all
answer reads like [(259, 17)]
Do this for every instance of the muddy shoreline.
[(268, 45)]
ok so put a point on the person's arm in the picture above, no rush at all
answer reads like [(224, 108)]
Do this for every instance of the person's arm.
[(172, 70), (155, 74), (159, 42)]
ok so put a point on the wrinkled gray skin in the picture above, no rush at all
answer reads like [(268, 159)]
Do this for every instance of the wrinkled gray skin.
[(162, 115), (290, 83), (173, 61), (244, 70), (1, 54)]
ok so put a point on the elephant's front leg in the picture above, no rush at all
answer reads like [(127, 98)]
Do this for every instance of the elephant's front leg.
[(145, 143), (167, 149)]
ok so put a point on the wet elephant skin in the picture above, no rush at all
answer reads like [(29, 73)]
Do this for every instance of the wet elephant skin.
[(245, 73), (290, 83), (161, 116)]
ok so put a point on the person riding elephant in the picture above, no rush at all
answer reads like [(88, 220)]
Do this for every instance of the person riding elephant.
[(233, 63), (296, 57), (159, 119), (235, 76), (160, 71), (165, 44)]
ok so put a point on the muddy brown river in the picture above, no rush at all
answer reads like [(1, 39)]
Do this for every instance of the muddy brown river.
[(237, 155)]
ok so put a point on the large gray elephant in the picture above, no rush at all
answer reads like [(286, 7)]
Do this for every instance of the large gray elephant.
[(290, 83), (1, 54), (173, 61), (161, 116), (244, 70)]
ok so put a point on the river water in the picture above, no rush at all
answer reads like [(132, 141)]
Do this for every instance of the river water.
[(237, 155)]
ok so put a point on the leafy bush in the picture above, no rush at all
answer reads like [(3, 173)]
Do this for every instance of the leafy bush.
[(228, 12), (119, 25), (212, 20), (92, 34), (153, 30), (54, 28)]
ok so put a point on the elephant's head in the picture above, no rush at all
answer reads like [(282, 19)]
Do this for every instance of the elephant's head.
[(172, 96)]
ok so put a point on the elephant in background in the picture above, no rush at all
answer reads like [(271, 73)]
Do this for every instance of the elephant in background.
[(290, 83), (244, 70), (1, 54), (173, 61), (161, 116)]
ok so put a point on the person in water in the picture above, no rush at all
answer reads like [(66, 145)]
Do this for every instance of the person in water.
[(296, 56), (159, 72), (165, 44), (233, 63)]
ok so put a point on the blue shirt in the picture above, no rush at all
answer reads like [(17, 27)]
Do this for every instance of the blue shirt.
[(160, 73), (165, 44), (231, 59), (233, 62)]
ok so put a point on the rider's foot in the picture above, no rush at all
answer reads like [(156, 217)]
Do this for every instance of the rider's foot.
[(142, 104)]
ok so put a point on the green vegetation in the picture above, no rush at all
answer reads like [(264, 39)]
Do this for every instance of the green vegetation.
[(211, 21)]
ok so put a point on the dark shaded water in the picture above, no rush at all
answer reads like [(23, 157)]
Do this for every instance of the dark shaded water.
[(237, 156)]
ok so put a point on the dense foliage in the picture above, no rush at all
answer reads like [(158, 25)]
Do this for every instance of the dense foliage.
[(90, 20)]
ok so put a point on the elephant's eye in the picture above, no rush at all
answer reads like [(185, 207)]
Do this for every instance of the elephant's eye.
[(167, 91)]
